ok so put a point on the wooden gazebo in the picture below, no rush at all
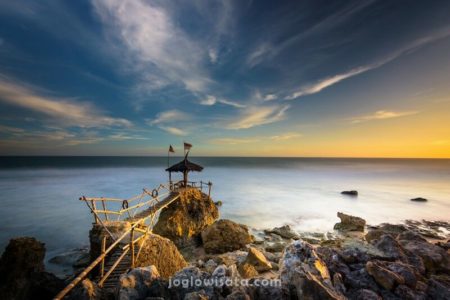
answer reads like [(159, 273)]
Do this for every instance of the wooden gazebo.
[(184, 166)]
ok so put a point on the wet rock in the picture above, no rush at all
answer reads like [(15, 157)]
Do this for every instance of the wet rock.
[(393, 229), (225, 235), (136, 283), (304, 275), (247, 270), (350, 193), (419, 199), (383, 276), (183, 220), (284, 231), (258, 260), (350, 223), (161, 253)]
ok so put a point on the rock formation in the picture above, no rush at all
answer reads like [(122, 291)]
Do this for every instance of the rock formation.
[(224, 236), (185, 218), (350, 223)]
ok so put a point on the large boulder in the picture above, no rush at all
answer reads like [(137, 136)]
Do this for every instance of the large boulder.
[(350, 223), (136, 283), (161, 253), (22, 274), (86, 290), (304, 275), (383, 276), (185, 218), (224, 236)]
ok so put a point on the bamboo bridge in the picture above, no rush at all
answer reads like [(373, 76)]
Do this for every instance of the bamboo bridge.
[(123, 251)]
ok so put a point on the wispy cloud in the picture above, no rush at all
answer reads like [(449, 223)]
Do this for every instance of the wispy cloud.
[(165, 119), (174, 130), (313, 88), (258, 115), (233, 141), (285, 136), (155, 44), (63, 111), (382, 115), (212, 100), (9, 129)]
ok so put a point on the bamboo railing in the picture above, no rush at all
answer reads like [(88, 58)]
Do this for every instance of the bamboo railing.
[(142, 222)]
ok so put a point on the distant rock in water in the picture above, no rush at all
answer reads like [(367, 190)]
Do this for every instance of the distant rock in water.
[(185, 218), (419, 199), (284, 231), (350, 223), (22, 274), (224, 236), (350, 193)]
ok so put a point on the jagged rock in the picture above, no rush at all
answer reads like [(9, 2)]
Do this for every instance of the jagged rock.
[(405, 292), (185, 218), (350, 193), (350, 223), (392, 229), (22, 274), (365, 294), (275, 247), (225, 235), (304, 275), (434, 258), (162, 253), (135, 284), (419, 199), (439, 287), (390, 247), (247, 270), (383, 276), (284, 231), (258, 260), (230, 258), (201, 295), (210, 266), (87, 290)]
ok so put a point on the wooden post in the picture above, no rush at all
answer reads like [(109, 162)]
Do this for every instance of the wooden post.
[(102, 266), (201, 186), (94, 208), (132, 247), (104, 208)]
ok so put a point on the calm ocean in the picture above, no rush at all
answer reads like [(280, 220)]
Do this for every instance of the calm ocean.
[(39, 195)]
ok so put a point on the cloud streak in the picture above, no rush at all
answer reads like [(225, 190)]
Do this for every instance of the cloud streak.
[(382, 115), (63, 111), (322, 84), (258, 115), (212, 100)]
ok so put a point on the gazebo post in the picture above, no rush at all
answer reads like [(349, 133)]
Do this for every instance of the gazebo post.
[(185, 175)]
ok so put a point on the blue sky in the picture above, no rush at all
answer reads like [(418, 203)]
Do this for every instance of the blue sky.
[(269, 78)]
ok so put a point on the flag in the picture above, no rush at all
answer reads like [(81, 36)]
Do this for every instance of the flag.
[(171, 149), (187, 146)]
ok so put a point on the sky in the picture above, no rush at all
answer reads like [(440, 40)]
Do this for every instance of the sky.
[(234, 78)]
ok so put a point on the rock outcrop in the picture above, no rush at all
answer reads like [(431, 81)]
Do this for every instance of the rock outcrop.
[(184, 219), (350, 223), (161, 253), (22, 273), (224, 236), (304, 275), (350, 193), (284, 231)]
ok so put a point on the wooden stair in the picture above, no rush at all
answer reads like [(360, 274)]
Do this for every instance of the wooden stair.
[(122, 267)]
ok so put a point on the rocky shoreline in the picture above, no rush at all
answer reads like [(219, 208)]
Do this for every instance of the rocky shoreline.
[(190, 244)]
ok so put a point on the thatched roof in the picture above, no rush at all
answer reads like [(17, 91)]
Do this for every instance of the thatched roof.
[(185, 165)]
